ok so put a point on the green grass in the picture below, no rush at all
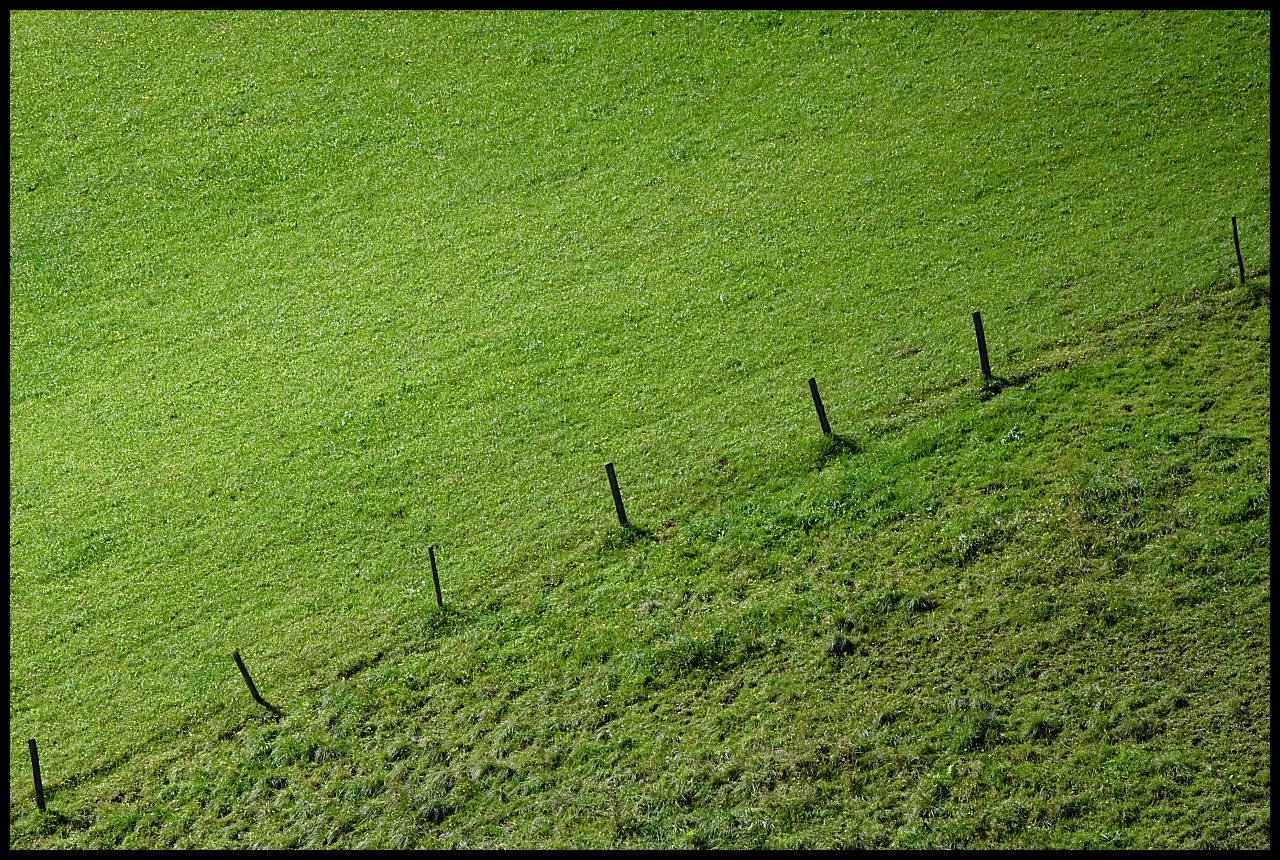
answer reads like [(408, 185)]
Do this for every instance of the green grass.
[(295, 296)]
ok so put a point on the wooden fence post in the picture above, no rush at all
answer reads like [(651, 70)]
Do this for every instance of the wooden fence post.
[(817, 404), (35, 773), (982, 344), (617, 496)]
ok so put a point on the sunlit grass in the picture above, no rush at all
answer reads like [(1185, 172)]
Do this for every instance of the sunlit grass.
[(295, 296)]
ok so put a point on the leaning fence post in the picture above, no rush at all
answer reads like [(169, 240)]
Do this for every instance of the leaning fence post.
[(617, 496), (35, 773), (1235, 234), (431, 552), (817, 404), (982, 344), (253, 691)]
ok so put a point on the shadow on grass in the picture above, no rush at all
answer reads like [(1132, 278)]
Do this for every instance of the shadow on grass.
[(628, 535), (442, 620), (826, 448), (993, 385), (51, 821)]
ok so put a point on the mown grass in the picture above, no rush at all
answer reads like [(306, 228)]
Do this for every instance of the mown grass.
[(295, 296)]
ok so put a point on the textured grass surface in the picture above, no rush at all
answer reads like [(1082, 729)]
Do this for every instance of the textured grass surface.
[(295, 296)]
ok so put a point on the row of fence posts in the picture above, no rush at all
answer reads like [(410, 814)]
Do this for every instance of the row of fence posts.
[(619, 508)]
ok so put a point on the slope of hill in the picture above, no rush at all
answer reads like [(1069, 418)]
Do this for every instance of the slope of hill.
[(296, 296)]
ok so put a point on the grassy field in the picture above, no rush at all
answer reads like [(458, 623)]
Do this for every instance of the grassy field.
[(296, 296)]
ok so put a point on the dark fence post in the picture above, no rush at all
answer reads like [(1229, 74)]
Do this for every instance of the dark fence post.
[(1235, 234), (431, 551), (35, 773), (982, 344), (253, 691), (617, 496), (817, 404)]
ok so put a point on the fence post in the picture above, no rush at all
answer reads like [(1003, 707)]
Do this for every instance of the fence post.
[(617, 496), (982, 344), (253, 691), (1235, 234), (817, 404), (35, 773), (431, 551)]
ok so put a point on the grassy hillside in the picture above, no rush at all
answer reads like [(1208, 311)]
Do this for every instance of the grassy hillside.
[(296, 296)]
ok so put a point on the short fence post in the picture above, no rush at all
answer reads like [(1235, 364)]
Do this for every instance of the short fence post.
[(1235, 234), (431, 551), (617, 496), (35, 773), (817, 404), (982, 344), (253, 691)]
